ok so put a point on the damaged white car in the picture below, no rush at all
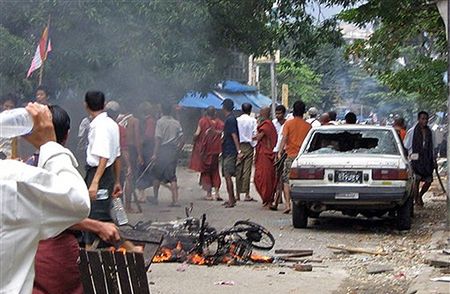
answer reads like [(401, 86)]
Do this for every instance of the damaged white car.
[(353, 169)]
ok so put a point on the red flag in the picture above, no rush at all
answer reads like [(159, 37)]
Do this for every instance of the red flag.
[(42, 50)]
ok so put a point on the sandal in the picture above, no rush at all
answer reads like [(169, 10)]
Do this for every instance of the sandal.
[(250, 199), (229, 205), (219, 198), (208, 198), (287, 211)]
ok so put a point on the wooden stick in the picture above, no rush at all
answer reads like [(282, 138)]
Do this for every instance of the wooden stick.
[(293, 251), (298, 255), (357, 250)]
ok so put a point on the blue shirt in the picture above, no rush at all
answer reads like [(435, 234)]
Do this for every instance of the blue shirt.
[(231, 127)]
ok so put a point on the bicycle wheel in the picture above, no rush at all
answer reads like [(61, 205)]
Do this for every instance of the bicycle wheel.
[(259, 236)]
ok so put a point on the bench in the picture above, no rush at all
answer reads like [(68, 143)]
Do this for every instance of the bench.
[(103, 271)]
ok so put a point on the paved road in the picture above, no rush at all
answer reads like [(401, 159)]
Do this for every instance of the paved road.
[(343, 274)]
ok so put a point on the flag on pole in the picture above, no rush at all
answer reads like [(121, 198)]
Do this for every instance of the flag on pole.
[(42, 50)]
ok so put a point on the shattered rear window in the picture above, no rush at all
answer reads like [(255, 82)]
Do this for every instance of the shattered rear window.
[(353, 141)]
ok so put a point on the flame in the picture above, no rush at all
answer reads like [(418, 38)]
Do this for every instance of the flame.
[(261, 258), (163, 254), (236, 255), (120, 249), (197, 259)]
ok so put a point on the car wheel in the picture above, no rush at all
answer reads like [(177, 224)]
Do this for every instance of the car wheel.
[(404, 215), (299, 216), (313, 214)]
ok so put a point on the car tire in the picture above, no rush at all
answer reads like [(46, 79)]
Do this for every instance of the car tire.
[(299, 216), (404, 215)]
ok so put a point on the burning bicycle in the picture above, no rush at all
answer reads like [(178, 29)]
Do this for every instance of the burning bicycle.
[(193, 241)]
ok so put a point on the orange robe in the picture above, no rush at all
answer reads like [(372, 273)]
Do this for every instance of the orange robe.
[(205, 154), (265, 178)]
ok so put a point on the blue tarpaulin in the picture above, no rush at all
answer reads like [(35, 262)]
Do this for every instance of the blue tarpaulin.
[(235, 87), (197, 100), (233, 90)]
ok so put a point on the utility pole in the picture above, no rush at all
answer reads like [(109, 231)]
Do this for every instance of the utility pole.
[(444, 10), (273, 83), (448, 116)]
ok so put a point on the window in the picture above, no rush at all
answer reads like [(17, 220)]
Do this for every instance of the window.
[(353, 141)]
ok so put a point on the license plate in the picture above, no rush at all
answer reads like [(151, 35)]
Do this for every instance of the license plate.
[(346, 196), (348, 176)]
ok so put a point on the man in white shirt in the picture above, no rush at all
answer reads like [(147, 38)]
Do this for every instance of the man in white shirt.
[(36, 203), (313, 120), (278, 122), (103, 168), (247, 127)]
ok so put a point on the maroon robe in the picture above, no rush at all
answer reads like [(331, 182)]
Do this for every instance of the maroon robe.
[(265, 178), (205, 154)]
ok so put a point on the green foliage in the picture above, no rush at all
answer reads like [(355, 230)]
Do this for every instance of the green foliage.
[(302, 81), (408, 29), (146, 49)]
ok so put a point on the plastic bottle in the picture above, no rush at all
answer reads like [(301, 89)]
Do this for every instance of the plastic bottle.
[(118, 212), (15, 122)]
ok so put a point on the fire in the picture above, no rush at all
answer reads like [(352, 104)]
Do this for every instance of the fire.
[(163, 254), (236, 254), (120, 249), (261, 258), (197, 259)]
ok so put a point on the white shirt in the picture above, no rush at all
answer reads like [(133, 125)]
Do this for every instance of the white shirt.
[(408, 141), (104, 140), (314, 122), (280, 131), (36, 203), (247, 129), (279, 128)]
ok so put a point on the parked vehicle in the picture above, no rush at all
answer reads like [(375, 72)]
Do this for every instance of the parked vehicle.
[(353, 169)]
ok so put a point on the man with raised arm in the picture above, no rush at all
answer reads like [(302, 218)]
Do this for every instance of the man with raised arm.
[(36, 203)]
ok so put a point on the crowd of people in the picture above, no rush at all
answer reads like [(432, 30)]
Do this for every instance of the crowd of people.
[(61, 211), (48, 210), (272, 145)]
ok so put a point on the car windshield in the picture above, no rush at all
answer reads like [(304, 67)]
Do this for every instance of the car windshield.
[(353, 141)]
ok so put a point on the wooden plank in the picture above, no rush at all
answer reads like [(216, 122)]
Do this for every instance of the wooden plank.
[(293, 251), (133, 272), (149, 252), (85, 273), (122, 270), (141, 273), (150, 236), (97, 271), (297, 255), (358, 250), (110, 272)]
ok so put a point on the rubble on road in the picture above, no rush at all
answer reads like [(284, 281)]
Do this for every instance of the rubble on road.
[(379, 268), (406, 252)]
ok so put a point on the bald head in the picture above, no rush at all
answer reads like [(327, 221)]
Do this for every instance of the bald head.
[(265, 112), (324, 118), (211, 111)]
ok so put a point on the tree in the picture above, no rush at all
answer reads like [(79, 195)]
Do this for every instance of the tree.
[(148, 49), (303, 82), (407, 50)]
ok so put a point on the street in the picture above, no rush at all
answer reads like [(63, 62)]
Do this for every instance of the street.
[(338, 273)]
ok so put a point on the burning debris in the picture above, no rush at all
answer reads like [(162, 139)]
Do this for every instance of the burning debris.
[(192, 241)]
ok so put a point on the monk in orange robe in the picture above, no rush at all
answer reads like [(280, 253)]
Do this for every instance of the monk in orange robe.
[(205, 154), (265, 179)]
